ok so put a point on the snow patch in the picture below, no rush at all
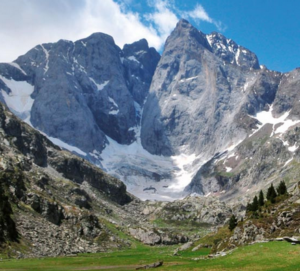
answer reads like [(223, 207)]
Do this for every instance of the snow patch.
[(208, 194), (95, 154), (99, 86), (237, 56), (113, 102), (293, 148), (231, 155), (133, 58), (228, 169), (135, 167), (188, 79), (66, 146), (210, 40), (18, 67), (47, 59), (288, 161), (266, 117), (232, 147), (113, 112), (18, 100)]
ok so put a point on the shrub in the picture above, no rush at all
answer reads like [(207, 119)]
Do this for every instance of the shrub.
[(281, 189), (232, 223)]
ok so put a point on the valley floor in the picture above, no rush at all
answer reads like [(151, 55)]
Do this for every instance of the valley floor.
[(260, 256)]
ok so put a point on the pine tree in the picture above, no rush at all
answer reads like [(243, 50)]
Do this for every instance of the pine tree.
[(232, 223), (249, 207), (281, 189), (255, 204), (261, 199), (271, 194), (7, 225)]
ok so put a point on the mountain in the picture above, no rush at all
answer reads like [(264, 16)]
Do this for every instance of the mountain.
[(205, 117), (202, 92), (208, 100), (87, 89)]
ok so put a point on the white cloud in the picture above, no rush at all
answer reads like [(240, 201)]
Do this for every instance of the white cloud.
[(199, 13), (26, 23), (164, 19), (107, 16)]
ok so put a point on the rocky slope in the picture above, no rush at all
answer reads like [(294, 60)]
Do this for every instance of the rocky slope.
[(269, 154), (277, 221), (54, 203), (45, 207)]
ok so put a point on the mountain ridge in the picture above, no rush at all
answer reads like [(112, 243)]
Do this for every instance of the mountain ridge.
[(154, 133)]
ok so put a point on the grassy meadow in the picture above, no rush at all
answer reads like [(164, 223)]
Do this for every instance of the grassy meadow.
[(260, 256)]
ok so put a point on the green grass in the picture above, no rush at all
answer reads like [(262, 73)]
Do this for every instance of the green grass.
[(264, 256)]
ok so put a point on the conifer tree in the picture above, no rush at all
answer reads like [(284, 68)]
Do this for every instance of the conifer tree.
[(255, 204), (249, 207), (271, 194), (281, 189), (7, 225), (232, 223), (261, 199)]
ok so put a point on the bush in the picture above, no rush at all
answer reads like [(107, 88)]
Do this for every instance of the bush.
[(232, 223), (281, 189), (8, 229)]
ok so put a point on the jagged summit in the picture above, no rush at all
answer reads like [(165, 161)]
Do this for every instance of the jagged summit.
[(228, 50), (183, 32), (231, 52)]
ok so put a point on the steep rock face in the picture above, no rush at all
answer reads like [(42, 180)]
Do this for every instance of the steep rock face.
[(230, 52), (86, 89), (268, 154), (51, 200), (288, 96), (200, 95), (41, 152), (140, 63)]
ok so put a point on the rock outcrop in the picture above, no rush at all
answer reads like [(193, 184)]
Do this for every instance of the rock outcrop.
[(86, 89), (44, 200), (203, 89)]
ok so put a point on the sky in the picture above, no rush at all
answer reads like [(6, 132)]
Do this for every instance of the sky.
[(269, 28)]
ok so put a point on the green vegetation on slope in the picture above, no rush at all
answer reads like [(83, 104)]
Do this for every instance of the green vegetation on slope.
[(261, 256)]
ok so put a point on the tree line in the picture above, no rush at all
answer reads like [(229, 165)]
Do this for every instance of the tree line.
[(259, 201), (271, 197)]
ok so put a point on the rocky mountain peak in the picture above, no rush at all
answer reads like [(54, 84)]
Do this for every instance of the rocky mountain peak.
[(100, 37), (141, 45), (88, 87), (230, 52), (184, 32)]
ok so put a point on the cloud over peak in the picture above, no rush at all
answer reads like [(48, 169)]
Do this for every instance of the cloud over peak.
[(24, 24)]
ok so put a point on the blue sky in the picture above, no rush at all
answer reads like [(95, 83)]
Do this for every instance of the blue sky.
[(271, 29)]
